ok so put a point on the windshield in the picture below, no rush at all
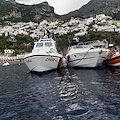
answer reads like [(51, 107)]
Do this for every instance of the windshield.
[(48, 44), (39, 44)]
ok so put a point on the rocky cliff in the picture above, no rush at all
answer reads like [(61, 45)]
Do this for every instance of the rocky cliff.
[(10, 10), (94, 7)]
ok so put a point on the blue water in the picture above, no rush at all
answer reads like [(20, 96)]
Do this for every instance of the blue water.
[(60, 95)]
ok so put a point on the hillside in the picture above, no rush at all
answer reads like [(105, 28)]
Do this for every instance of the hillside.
[(12, 11), (94, 7)]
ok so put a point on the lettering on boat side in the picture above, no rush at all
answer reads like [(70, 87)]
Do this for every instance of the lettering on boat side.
[(28, 61), (49, 59)]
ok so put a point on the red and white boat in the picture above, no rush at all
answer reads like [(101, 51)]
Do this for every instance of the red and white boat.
[(44, 56)]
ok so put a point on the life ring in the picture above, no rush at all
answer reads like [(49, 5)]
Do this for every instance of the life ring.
[(113, 51)]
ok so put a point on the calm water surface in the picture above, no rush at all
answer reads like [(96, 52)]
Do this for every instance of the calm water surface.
[(59, 95)]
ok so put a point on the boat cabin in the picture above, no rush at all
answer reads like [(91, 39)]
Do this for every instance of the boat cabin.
[(89, 44), (78, 45), (45, 44)]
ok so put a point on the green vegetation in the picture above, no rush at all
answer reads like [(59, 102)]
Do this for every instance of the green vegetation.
[(5, 7), (35, 13), (117, 16), (43, 11), (96, 7), (113, 37), (64, 40), (23, 44)]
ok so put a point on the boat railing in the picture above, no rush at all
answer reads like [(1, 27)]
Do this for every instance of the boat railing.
[(83, 46), (80, 47), (95, 43)]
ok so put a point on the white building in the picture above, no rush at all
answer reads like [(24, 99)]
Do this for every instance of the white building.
[(99, 17), (74, 21), (8, 51)]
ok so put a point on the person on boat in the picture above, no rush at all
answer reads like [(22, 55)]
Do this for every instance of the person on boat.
[(112, 51)]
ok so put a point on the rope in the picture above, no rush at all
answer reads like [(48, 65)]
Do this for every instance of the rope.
[(83, 56)]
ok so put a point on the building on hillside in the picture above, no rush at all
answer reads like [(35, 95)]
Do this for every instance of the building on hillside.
[(100, 17), (8, 52)]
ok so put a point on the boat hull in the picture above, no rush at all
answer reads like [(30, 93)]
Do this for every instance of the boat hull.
[(93, 58), (42, 63), (6, 64), (114, 61)]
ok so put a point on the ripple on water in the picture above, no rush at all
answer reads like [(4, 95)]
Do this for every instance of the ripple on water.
[(59, 95)]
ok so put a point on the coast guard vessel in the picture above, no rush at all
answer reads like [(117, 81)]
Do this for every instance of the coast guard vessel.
[(44, 56)]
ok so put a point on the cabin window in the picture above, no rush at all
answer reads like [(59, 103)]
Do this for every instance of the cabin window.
[(79, 46), (48, 44), (39, 44)]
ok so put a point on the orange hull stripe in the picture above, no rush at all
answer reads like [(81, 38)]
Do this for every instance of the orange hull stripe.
[(114, 61)]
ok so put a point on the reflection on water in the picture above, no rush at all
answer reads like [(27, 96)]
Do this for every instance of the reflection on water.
[(68, 94)]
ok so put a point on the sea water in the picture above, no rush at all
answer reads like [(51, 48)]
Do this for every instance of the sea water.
[(67, 94)]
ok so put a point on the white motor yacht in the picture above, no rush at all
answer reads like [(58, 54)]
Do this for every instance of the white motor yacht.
[(86, 54), (44, 56)]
